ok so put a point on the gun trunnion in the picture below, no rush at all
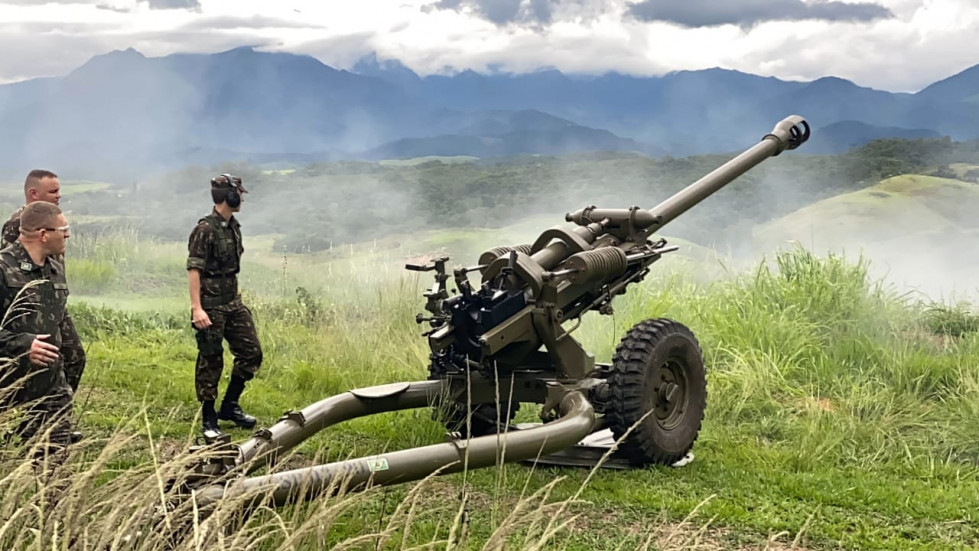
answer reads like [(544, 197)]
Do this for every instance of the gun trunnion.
[(502, 342)]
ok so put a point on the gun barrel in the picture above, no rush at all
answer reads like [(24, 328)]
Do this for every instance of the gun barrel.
[(789, 133)]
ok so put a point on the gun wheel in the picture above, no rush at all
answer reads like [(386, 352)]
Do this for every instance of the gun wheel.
[(658, 369)]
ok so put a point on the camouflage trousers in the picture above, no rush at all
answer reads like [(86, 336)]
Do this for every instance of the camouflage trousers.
[(47, 419), (46, 429), (232, 322), (72, 352)]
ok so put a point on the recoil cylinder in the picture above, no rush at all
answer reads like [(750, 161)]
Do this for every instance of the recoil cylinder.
[(596, 264), (496, 252)]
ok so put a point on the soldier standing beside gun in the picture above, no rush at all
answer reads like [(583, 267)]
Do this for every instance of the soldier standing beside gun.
[(43, 185), (217, 312), (33, 299)]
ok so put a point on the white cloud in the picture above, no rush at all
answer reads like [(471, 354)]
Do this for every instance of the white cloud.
[(918, 43)]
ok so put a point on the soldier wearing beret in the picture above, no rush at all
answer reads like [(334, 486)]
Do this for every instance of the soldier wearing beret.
[(217, 312), (33, 299)]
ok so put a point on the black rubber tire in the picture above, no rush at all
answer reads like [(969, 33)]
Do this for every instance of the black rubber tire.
[(483, 422), (652, 356)]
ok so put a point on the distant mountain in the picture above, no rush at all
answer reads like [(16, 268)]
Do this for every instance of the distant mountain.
[(390, 70), (123, 111), (844, 135), (676, 112), (961, 87), (702, 111), (507, 144), (830, 100), (21, 94), (127, 111), (128, 107)]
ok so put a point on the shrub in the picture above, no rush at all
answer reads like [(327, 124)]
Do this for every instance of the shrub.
[(954, 321), (89, 276)]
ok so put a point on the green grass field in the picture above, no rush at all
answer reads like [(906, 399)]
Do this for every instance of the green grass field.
[(450, 159), (841, 414), (75, 187)]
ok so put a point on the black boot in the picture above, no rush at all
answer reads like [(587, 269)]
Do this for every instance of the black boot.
[(230, 410), (209, 419)]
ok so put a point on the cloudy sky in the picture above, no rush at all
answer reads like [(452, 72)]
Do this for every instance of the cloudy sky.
[(895, 45)]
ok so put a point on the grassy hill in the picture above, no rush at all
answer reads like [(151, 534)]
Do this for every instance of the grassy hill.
[(920, 230)]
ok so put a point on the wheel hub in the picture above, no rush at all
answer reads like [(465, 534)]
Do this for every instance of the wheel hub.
[(670, 394)]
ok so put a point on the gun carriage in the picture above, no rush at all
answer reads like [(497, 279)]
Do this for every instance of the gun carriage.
[(507, 340)]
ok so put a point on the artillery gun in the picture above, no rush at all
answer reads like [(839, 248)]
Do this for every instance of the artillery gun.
[(505, 341)]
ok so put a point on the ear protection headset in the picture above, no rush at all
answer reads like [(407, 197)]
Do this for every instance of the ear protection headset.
[(234, 195)]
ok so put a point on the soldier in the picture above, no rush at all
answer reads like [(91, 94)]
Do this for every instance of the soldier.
[(43, 185), (33, 297), (217, 312)]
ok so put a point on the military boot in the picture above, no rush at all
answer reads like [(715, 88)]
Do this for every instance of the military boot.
[(230, 410), (209, 419)]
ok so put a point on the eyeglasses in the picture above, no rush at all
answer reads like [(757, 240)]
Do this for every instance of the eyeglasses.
[(64, 229)]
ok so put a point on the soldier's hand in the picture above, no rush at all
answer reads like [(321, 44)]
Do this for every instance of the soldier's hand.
[(199, 318), (42, 352)]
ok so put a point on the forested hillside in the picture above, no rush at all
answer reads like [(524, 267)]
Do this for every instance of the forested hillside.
[(315, 206)]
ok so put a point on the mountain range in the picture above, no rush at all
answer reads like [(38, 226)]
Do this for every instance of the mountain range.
[(123, 111)]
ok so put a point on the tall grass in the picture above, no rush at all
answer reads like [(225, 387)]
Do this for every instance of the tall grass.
[(88, 502), (119, 258), (817, 340)]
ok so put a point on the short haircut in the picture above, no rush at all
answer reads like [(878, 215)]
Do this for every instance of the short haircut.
[(39, 214), (35, 176), (219, 195)]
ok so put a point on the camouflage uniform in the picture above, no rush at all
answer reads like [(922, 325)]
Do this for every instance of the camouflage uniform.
[(71, 344), (38, 310), (215, 249)]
